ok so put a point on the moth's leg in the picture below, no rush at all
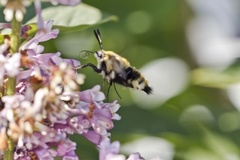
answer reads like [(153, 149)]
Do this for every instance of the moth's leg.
[(110, 84), (92, 66), (116, 91)]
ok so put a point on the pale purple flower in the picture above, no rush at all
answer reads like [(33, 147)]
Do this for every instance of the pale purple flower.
[(102, 121), (113, 108), (40, 153), (24, 30), (15, 9), (45, 34), (38, 8), (92, 95), (62, 92), (2, 68), (12, 65), (47, 105), (93, 137), (5, 25), (66, 149), (135, 156), (73, 125), (45, 154), (9, 64), (32, 51), (38, 64), (108, 149), (18, 113), (99, 115), (54, 59), (91, 118)]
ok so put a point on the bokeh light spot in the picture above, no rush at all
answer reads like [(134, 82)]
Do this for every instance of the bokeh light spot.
[(196, 113), (228, 122), (167, 76), (233, 93), (150, 148), (139, 22)]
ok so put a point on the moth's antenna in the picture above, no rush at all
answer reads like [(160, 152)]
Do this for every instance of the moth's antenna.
[(98, 36)]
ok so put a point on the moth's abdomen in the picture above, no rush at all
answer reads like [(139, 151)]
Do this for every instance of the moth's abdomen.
[(148, 89), (135, 79), (141, 84), (132, 73)]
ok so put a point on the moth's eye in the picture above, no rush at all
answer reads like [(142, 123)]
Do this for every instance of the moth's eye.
[(99, 54)]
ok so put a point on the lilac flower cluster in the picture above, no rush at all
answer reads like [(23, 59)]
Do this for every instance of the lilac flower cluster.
[(47, 106)]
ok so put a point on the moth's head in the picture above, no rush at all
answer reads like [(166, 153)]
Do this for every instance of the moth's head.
[(99, 54)]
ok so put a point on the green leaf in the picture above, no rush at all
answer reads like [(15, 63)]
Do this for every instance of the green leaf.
[(212, 146), (221, 145), (71, 19), (212, 78)]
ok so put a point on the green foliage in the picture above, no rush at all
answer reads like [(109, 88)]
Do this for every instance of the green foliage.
[(73, 19), (212, 78)]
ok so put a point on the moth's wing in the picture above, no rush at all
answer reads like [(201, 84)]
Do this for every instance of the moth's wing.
[(118, 68)]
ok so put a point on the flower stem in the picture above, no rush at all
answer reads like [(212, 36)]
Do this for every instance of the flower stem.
[(8, 154), (11, 83), (14, 44), (10, 88)]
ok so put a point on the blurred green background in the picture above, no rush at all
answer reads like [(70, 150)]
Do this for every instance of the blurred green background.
[(193, 112), (199, 122)]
